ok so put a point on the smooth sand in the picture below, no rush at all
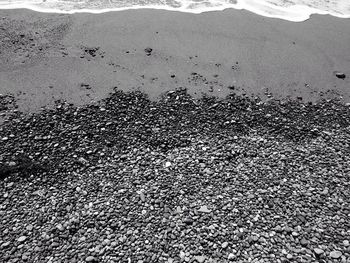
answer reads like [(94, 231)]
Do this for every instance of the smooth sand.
[(45, 57)]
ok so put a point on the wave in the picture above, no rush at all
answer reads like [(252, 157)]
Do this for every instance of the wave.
[(291, 10)]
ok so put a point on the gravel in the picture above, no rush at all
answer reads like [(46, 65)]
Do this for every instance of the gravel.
[(176, 180)]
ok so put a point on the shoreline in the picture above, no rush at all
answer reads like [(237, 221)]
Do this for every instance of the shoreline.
[(302, 12), (81, 58), (176, 180)]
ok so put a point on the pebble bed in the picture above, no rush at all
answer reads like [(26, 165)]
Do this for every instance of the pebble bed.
[(176, 180)]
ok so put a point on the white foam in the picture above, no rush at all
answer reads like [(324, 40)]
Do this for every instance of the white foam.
[(295, 10)]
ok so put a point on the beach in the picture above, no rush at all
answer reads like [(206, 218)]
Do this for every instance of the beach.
[(82, 57), (157, 136)]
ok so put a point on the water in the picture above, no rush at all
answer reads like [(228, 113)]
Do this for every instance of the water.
[(292, 10)]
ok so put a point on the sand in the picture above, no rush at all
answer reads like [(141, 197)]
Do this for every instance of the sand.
[(81, 58)]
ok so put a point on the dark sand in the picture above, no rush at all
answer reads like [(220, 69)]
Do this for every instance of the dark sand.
[(82, 57)]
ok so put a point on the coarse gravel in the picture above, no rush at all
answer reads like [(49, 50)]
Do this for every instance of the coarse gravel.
[(176, 180)]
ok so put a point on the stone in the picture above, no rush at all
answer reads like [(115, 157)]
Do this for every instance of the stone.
[(304, 242), (167, 164), (204, 209), (5, 245), (231, 256), (148, 50), (91, 259), (29, 227), (60, 227), (318, 251), (289, 256), (200, 259), (142, 196), (22, 239), (340, 75), (335, 254), (12, 164), (224, 245), (188, 221), (346, 243)]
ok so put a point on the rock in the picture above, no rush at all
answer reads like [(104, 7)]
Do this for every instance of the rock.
[(289, 256), (200, 259), (340, 75), (11, 164), (346, 243), (29, 227), (204, 209), (5, 245), (142, 197), (22, 239), (188, 221), (148, 50), (91, 259), (231, 256), (335, 254), (60, 227), (167, 164), (318, 251), (224, 245), (304, 242)]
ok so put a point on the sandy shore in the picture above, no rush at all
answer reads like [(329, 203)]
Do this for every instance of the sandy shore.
[(82, 57)]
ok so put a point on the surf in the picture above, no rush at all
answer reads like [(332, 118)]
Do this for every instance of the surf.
[(295, 11)]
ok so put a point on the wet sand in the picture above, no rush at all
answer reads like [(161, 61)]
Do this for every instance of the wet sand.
[(82, 57)]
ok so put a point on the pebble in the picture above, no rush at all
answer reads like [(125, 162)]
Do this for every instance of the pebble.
[(60, 227), (200, 259), (346, 243), (142, 196), (167, 164), (231, 256), (289, 256), (340, 75), (22, 239), (5, 245), (304, 242), (318, 251), (204, 209), (224, 245), (90, 259), (335, 254)]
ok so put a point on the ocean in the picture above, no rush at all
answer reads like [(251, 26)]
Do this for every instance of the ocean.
[(291, 10)]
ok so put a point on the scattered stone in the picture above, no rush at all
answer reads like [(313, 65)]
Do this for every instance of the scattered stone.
[(5, 245), (340, 75), (200, 259), (304, 242), (11, 164), (335, 254), (224, 245), (318, 251), (231, 257), (21, 239), (60, 227), (142, 197), (148, 51), (204, 209), (91, 259)]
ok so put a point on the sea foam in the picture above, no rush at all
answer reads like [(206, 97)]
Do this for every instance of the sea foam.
[(291, 10)]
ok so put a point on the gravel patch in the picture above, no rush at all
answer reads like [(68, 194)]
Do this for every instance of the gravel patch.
[(176, 180)]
